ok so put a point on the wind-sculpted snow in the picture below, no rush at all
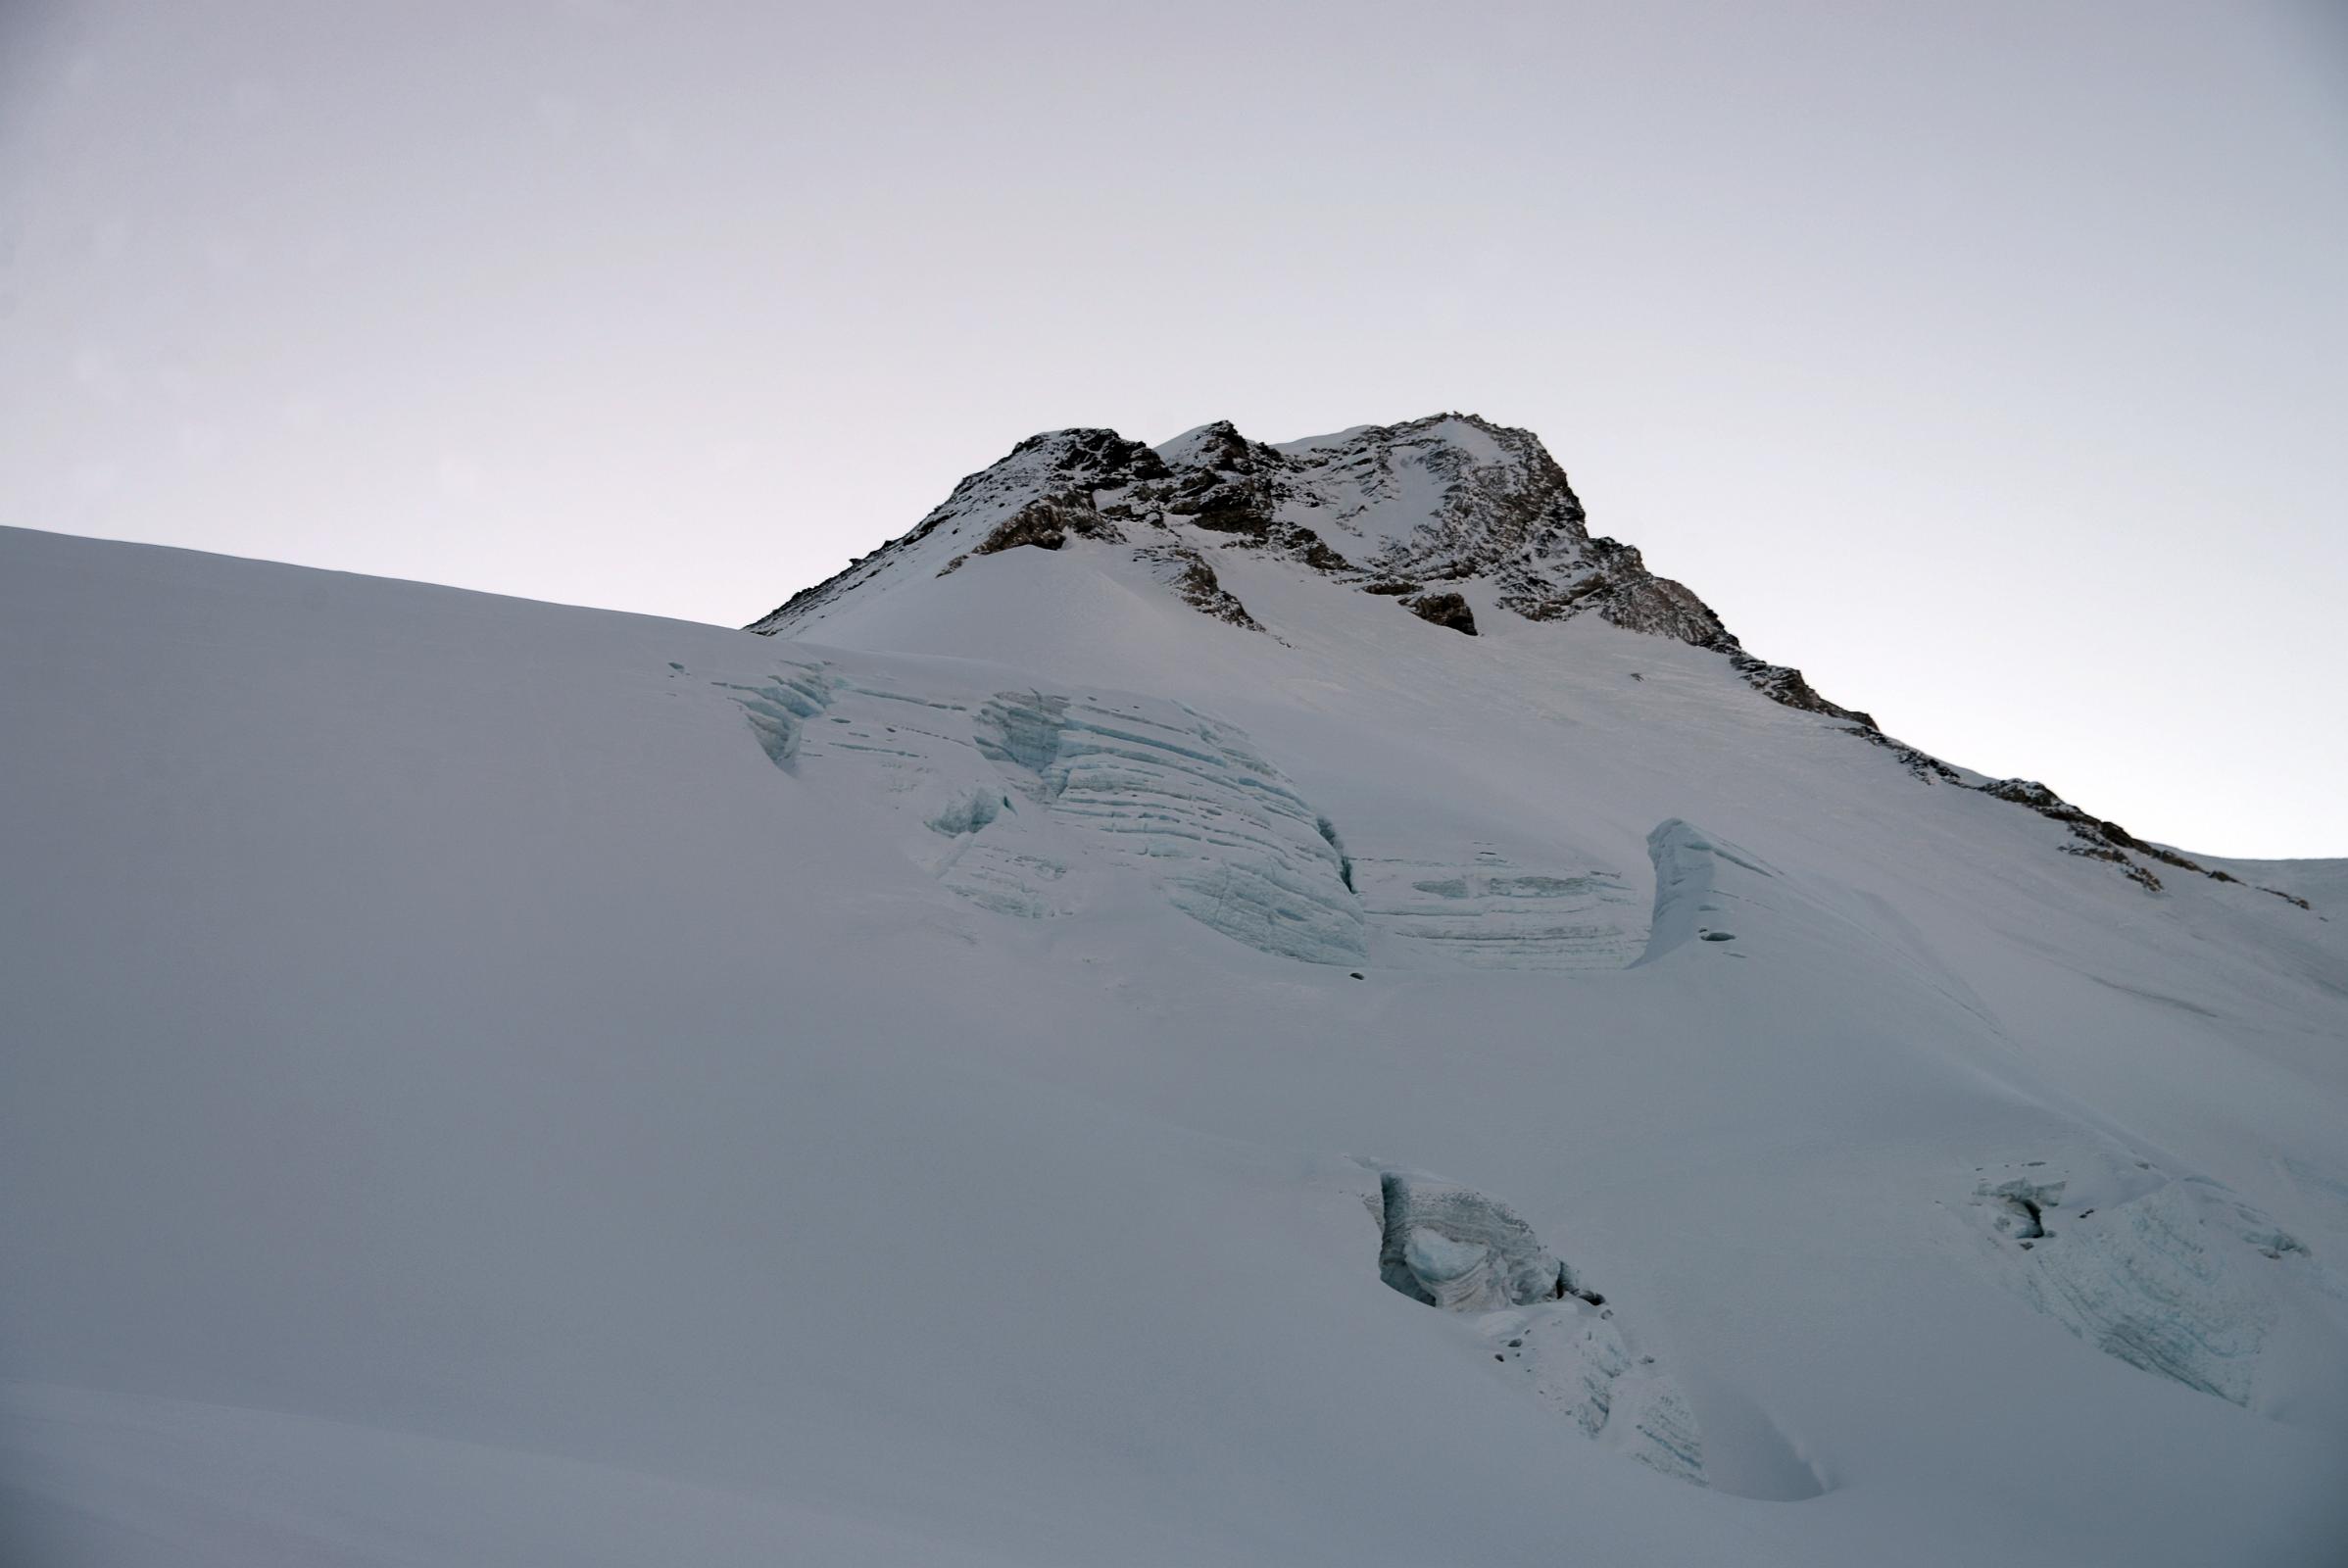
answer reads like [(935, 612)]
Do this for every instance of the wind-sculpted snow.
[(1693, 902), (2176, 1276), (1456, 1250)]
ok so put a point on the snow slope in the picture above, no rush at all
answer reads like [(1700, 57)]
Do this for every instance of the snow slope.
[(979, 1082)]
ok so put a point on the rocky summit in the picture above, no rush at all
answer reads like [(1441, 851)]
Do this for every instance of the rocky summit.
[(1416, 512), (1445, 516)]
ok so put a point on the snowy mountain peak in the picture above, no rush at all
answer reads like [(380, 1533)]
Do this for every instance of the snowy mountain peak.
[(1406, 513), (1469, 525)]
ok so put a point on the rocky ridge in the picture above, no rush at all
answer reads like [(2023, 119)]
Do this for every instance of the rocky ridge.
[(1406, 513)]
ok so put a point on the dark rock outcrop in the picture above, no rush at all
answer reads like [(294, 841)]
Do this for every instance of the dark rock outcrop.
[(1047, 488), (1046, 525), (1444, 610), (2103, 840), (1195, 581)]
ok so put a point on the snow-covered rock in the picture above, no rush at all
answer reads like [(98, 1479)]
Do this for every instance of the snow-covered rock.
[(1402, 511), (1434, 516)]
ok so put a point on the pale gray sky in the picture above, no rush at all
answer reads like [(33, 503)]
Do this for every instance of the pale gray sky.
[(1987, 361)]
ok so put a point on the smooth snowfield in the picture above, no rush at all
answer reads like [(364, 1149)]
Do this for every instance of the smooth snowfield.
[(477, 1091)]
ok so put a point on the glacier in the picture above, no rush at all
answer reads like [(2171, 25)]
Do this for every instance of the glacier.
[(497, 1083)]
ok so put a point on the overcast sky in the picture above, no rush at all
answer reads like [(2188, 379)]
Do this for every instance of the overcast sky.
[(1987, 361)]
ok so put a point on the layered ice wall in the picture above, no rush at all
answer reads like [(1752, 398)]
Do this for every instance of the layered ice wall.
[(1225, 833), (1023, 795), (1029, 799), (1487, 910)]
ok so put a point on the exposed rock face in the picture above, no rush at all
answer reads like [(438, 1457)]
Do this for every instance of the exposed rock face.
[(1048, 523), (2105, 841), (1052, 486), (1444, 610), (1397, 510), (1246, 490), (1439, 514), (1195, 581)]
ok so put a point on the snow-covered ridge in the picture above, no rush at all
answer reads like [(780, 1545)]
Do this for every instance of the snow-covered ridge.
[(1397, 511), (1406, 517)]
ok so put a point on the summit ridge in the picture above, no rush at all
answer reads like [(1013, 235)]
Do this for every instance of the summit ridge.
[(1453, 517), (1408, 512)]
